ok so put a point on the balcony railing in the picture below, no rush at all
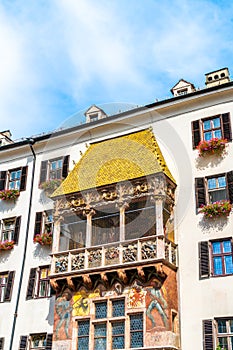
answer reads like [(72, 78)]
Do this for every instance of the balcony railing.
[(121, 253)]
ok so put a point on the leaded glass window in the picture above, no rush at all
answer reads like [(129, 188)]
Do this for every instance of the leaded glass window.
[(118, 335), (106, 329), (83, 335), (100, 336), (136, 331), (118, 308), (101, 310)]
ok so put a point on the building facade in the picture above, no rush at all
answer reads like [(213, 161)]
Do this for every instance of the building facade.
[(117, 233)]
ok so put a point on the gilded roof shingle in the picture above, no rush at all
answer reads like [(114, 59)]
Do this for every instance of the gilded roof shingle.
[(110, 161)]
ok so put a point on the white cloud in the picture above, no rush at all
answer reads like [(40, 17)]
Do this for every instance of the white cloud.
[(64, 55)]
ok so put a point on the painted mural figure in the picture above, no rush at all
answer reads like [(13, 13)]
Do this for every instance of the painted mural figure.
[(159, 303), (63, 308)]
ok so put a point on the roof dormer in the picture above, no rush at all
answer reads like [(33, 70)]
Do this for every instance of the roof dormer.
[(94, 113), (183, 87), (5, 138)]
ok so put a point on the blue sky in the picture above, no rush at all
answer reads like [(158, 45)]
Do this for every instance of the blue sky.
[(58, 57)]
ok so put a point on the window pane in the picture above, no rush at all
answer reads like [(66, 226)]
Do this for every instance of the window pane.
[(217, 195), (228, 264), (223, 343), (100, 310), (207, 125), (216, 122), (217, 134), (136, 331), (227, 246), (118, 331), (231, 325), (218, 266), (118, 308), (207, 136), (216, 247), (83, 335), (212, 184), (100, 336), (83, 328), (222, 181), (222, 328)]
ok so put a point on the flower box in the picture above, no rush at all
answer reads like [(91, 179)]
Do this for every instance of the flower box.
[(43, 238), (216, 209), (213, 146), (9, 195), (7, 245), (50, 186)]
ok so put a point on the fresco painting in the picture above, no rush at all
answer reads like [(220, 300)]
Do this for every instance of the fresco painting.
[(136, 297), (62, 315), (81, 304)]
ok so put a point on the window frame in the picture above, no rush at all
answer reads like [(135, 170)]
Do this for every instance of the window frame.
[(228, 334), (41, 220), (35, 281), (16, 229), (5, 178), (212, 129), (201, 188), (25, 341), (197, 128), (45, 169), (206, 261), (109, 321), (222, 254), (8, 286)]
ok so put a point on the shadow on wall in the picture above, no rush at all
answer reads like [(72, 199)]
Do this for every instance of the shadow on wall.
[(42, 252), (208, 224), (210, 161), (50, 316)]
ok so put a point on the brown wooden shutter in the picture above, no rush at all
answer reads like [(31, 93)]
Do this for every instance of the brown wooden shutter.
[(23, 179), (230, 185), (204, 263), (196, 133), (9, 286), (49, 341), (31, 284), (17, 228), (226, 122), (1, 343), (23, 342), (43, 171), (208, 341), (2, 180), (200, 191), (65, 166), (38, 223)]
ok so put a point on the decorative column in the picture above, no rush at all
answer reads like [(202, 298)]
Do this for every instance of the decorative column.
[(88, 212), (159, 200), (122, 208), (56, 226)]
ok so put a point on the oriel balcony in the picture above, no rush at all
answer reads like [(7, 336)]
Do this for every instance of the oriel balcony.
[(143, 251)]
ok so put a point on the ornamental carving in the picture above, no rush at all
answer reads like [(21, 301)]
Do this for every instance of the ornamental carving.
[(149, 250), (78, 261), (61, 264), (130, 253)]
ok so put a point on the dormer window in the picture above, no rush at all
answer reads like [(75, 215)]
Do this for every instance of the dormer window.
[(93, 117), (183, 87), (182, 92), (94, 113)]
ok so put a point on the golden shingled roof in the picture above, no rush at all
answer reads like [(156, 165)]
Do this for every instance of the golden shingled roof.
[(114, 160)]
